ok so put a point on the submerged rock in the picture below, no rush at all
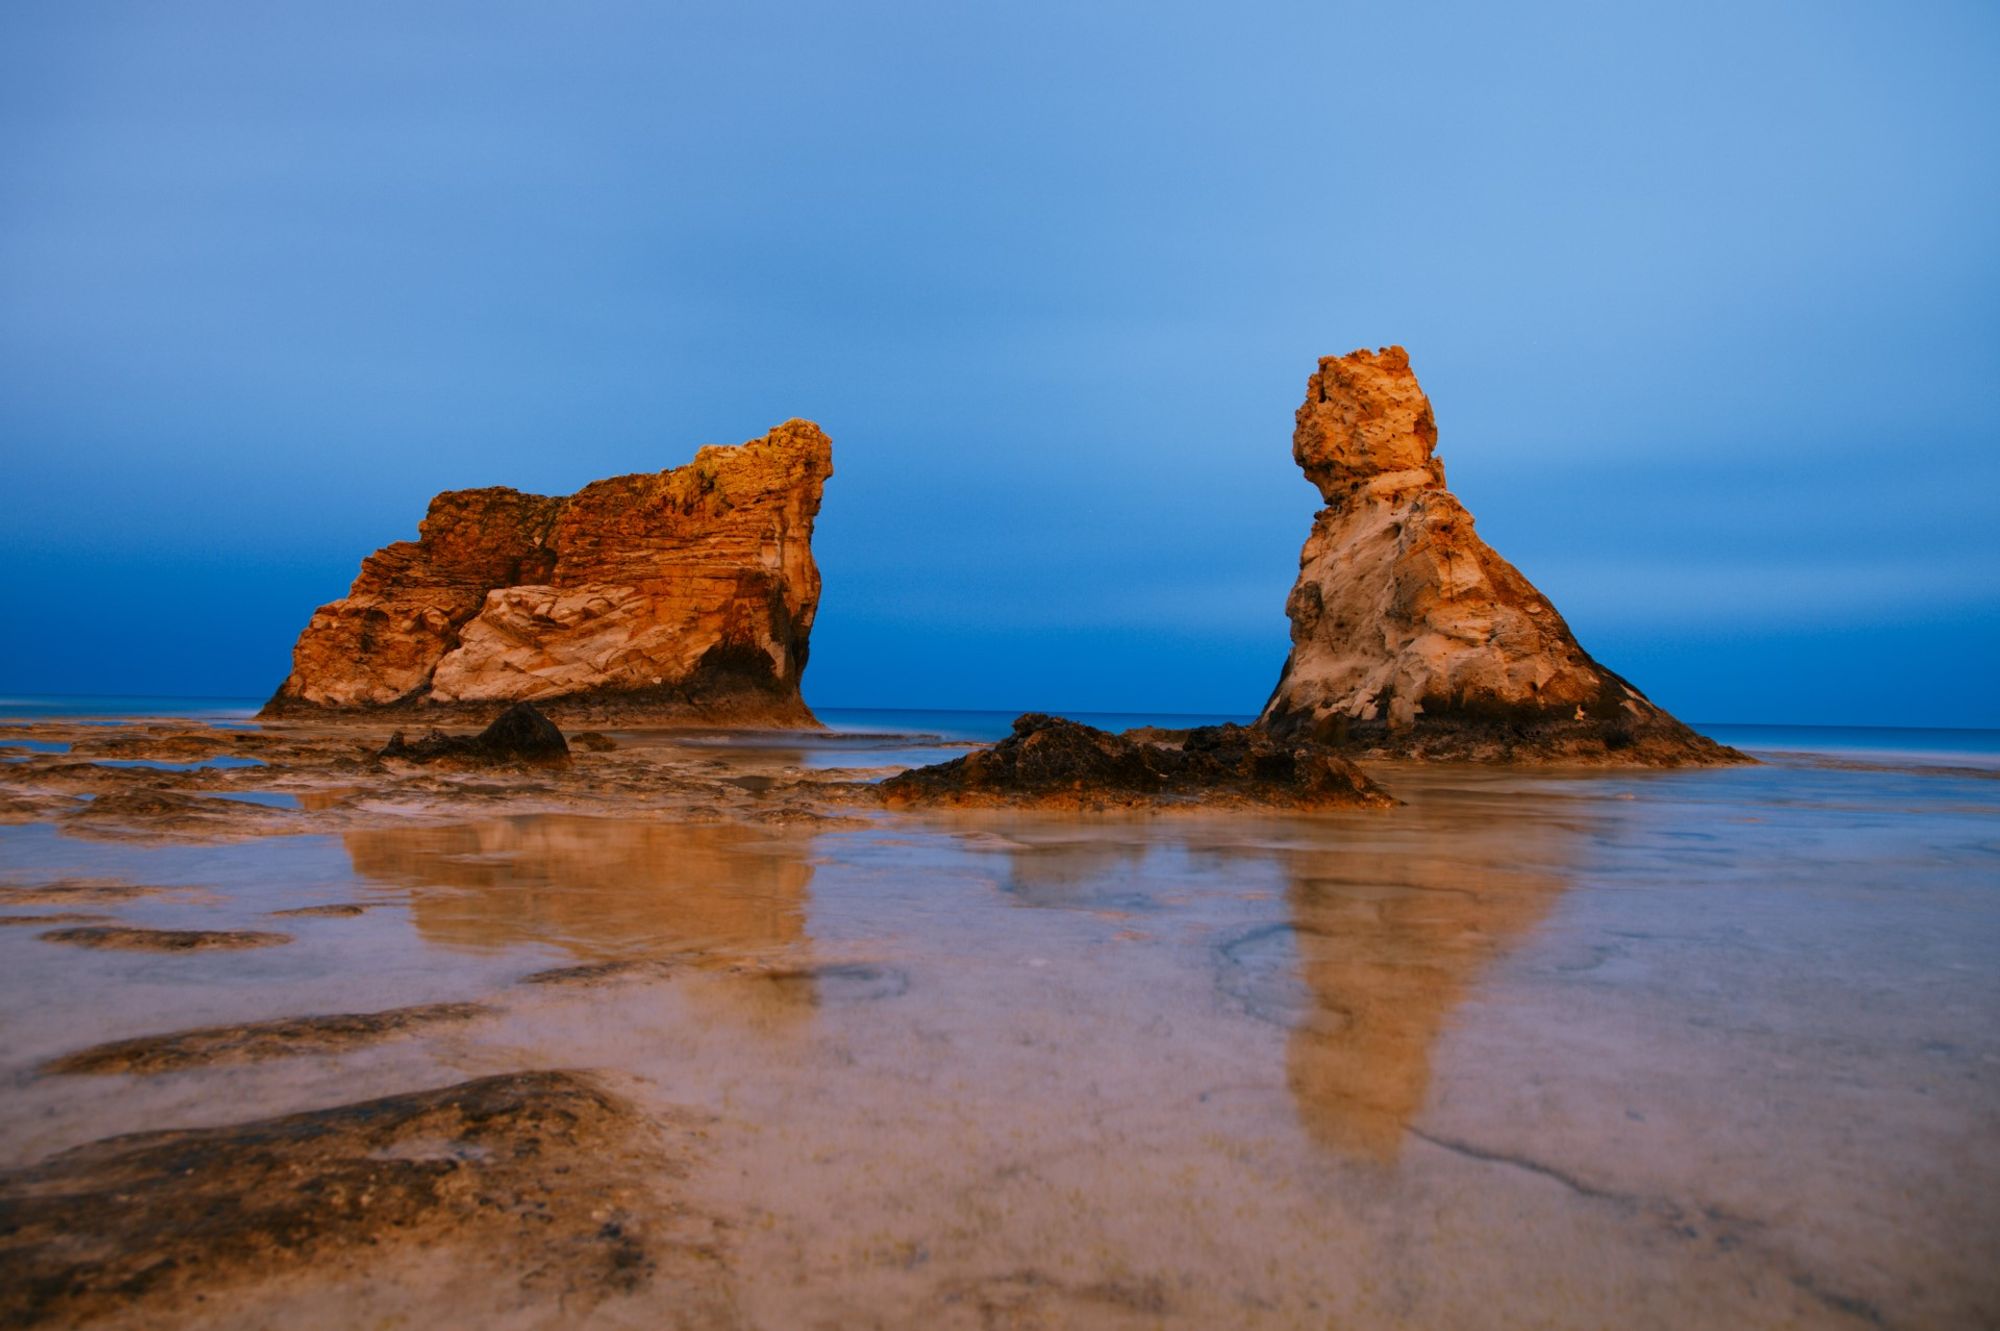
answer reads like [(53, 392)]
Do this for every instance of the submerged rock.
[(518, 735), (1410, 636), (251, 1042), (55, 917), (530, 1179), (68, 891), (130, 809), (127, 938), (1049, 762), (690, 591)]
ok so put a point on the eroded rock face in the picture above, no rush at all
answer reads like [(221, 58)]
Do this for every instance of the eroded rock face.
[(1410, 636), (690, 591), (1052, 763)]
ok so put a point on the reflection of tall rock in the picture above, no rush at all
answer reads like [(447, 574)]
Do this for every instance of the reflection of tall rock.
[(684, 591), (600, 888), (1410, 636), (1388, 943)]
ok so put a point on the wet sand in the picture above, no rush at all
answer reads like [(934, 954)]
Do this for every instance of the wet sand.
[(1533, 1049)]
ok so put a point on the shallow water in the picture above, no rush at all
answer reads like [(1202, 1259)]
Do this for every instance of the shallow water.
[(1710, 1048), (222, 763)]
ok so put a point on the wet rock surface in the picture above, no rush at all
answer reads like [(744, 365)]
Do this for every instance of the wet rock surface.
[(1048, 762), (521, 734), (527, 1177), (1413, 638), (254, 1041), (685, 593)]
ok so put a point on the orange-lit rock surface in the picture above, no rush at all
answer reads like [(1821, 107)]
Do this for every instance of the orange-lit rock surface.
[(1410, 636), (683, 592)]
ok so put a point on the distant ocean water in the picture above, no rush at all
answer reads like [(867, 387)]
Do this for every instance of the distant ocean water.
[(1901, 745), (119, 706), (1883, 744)]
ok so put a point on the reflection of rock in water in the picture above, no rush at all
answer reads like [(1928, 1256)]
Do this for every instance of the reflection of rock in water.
[(1383, 941), (599, 888), (1388, 943)]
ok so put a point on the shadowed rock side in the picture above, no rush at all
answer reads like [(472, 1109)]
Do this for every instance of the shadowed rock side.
[(1056, 764), (1410, 636), (688, 592), (524, 1180)]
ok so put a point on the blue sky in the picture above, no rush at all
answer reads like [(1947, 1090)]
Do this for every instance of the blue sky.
[(1706, 295)]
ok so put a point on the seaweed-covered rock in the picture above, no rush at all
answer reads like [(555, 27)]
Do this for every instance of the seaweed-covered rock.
[(1049, 762), (519, 735)]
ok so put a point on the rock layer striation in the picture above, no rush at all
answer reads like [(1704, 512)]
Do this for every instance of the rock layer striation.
[(683, 592), (1411, 637)]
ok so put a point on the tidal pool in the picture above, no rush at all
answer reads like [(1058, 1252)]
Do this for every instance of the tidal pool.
[(1719, 1048)]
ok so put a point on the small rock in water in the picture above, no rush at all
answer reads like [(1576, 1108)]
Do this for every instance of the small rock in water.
[(520, 735)]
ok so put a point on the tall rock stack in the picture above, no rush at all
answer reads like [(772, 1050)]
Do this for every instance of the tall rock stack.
[(1410, 636), (686, 593)]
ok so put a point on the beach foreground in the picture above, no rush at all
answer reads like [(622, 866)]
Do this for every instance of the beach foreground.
[(689, 1036)]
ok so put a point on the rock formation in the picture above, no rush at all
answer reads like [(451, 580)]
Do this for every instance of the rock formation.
[(687, 592), (1410, 636), (1052, 763)]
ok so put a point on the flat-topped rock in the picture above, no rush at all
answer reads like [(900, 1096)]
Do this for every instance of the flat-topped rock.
[(683, 593)]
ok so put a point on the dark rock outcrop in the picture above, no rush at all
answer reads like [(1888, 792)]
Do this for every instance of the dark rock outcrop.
[(1052, 763), (1410, 636), (518, 735), (683, 593)]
